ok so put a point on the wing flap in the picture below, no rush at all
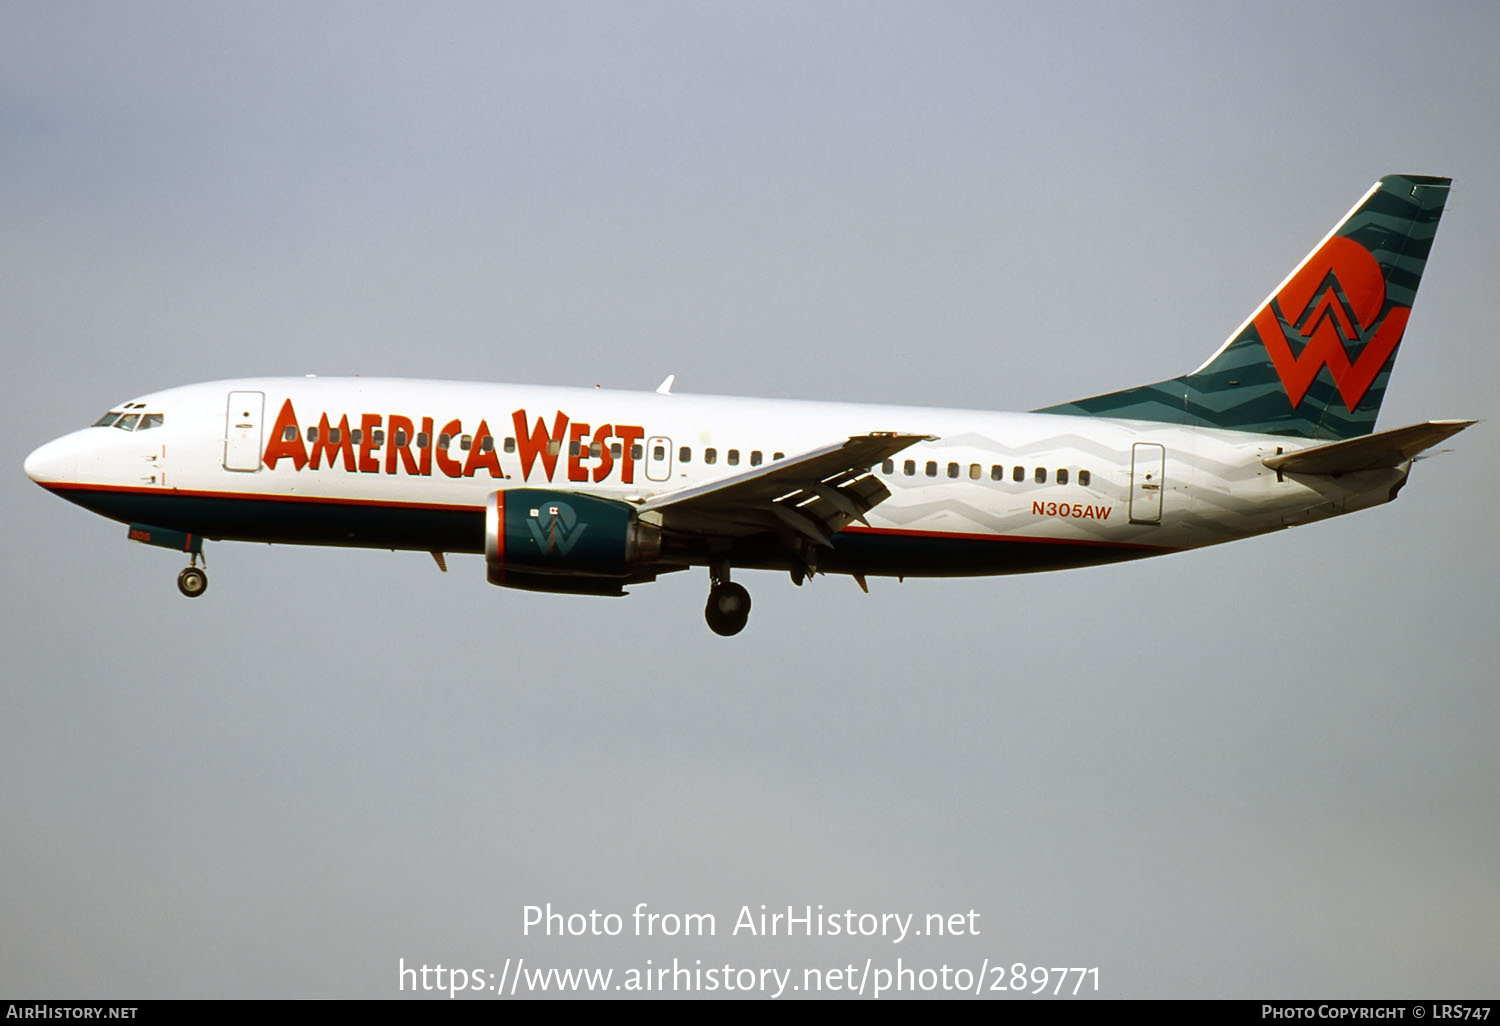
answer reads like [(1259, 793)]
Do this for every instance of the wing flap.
[(1379, 451), (813, 495)]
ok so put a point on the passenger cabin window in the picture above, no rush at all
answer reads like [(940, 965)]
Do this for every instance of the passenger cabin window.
[(510, 445), (1062, 477), (1018, 475), (658, 452), (997, 473), (909, 467), (357, 435), (888, 467), (615, 450), (289, 433), (487, 444), (464, 442), (932, 468), (953, 470), (444, 440), (554, 447), (710, 455), (734, 458), (974, 471), (377, 438), (635, 451), (778, 455), (312, 434), (1083, 478), (755, 457), (1041, 475), (684, 455), (335, 436)]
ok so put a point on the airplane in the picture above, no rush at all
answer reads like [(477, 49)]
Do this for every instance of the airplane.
[(589, 491)]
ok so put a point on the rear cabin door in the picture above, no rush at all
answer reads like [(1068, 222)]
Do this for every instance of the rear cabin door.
[(243, 417), (1148, 461)]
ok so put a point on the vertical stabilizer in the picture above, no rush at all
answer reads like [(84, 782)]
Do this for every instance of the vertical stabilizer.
[(1314, 358)]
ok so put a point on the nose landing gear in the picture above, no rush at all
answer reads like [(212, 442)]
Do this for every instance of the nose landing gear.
[(728, 606), (193, 581)]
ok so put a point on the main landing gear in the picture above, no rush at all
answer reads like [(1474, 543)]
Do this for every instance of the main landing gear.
[(193, 581), (728, 603)]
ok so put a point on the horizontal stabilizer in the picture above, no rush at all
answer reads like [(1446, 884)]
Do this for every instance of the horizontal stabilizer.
[(1372, 452)]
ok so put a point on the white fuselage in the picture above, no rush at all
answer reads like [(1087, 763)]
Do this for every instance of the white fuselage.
[(1087, 489)]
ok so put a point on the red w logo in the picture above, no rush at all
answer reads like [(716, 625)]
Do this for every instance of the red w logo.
[(1333, 300)]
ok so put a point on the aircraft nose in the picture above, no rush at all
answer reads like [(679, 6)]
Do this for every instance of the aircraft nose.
[(50, 462)]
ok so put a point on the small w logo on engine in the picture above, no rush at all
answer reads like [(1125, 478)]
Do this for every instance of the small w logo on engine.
[(555, 528), (1333, 304)]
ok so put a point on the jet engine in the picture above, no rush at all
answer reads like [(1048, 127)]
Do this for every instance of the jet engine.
[(542, 540)]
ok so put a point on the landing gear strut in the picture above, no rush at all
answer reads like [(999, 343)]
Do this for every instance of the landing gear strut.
[(728, 603), (193, 581)]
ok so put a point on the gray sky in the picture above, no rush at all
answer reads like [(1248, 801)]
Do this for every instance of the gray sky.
[(1263, 769)]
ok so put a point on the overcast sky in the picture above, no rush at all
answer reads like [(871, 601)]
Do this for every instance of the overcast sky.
[(1263, 769)]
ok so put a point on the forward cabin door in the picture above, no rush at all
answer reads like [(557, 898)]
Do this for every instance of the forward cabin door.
[(1148, 462), (658, 458), (243, 422)]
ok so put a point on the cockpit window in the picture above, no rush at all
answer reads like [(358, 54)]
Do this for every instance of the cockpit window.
[(131, 421)]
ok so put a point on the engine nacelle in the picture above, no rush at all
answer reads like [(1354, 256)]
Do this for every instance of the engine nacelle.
[(542, 540)]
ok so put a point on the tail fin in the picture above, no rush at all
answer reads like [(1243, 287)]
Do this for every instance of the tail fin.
[(1314, 358)]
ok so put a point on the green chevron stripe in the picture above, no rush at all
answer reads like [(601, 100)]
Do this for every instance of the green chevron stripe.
[(1241, 388)]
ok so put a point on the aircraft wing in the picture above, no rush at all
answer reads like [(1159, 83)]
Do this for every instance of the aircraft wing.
[(815, 494), (1372, 452)]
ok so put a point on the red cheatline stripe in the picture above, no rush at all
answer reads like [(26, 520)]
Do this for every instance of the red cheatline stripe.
[(895, 532), (260, 497), (961, 536)]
